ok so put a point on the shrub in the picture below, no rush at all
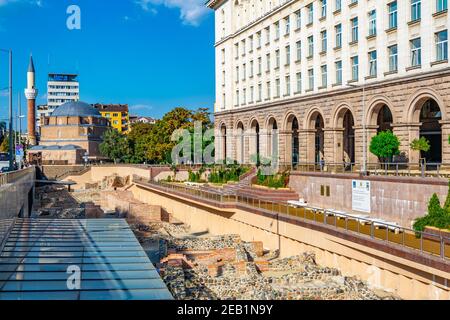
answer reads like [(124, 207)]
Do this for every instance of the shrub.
[(385, 145), (231, 172), (273, 181), (421, 144), (437, 216)]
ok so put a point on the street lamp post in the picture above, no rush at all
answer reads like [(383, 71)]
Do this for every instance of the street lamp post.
[(11, 146)]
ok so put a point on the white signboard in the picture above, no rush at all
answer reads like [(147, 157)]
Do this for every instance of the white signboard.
[(361, 196)]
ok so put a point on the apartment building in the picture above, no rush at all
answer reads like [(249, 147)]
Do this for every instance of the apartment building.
[(117, 114)]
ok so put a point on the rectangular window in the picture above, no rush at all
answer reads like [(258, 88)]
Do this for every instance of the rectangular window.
[(310, 46), (441, 5), (323, 36), (355, 68), (237, 98), (277, 88), (338, 30), (287, 24), (299, 50), (310, 9), (259, 65), (251, 68), (250, 40), (373, 63), (244, 71), (258, 39), (288, 55), (324, 73), (268, 93), (415, 10), (372, 23), (338, 5), (416, 52), (243, 47), (224, 101), (236, 50), (299, 82), (252, 94), (267, 35), (323, 11), (338, 67), (354, 24), (237, 73), (259, 92), (223, 55), (268, 62), (277, 58), (244, 96), (277, 30), (298, 19), (393, 58), (311, 79), (441, 46), (392, 9), (288, 85)]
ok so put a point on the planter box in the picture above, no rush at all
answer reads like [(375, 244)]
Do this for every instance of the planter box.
[(267, 188), (438, 232)]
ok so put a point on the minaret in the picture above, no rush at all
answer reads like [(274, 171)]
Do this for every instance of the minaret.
[(31, 94)]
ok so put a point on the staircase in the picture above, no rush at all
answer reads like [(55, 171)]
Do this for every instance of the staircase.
[(244, 188), (244, 181), (274, 195)]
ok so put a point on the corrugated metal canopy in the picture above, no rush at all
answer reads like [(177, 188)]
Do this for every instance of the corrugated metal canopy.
[(37, 254)]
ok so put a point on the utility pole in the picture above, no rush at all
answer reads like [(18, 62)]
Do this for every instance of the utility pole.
[(11, 146), (20, 121)]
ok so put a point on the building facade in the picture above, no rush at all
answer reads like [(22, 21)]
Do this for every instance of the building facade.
[(117, 114), (138, 119), (310, 81), (62, 88), (72, 132)]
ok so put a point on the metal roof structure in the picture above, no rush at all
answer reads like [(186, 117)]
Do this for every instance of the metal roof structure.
[(75, 109), (42, 259)]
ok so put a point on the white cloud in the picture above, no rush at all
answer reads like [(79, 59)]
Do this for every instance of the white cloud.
[(191, 11)]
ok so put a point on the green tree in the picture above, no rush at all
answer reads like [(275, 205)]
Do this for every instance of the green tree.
[(385, 145), (115, 146), (421, 144), (138, 137), (4, 146)]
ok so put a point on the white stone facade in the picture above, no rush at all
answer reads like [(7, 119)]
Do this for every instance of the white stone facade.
[(273, 58)]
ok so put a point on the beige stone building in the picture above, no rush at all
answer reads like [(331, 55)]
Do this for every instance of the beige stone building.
[(72, 132), (308, 80)]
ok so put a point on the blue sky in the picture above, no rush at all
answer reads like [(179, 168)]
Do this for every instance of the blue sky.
[(152, 54)]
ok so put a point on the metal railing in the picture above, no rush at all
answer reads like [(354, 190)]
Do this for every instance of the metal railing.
[(398, 169), (424, 242)]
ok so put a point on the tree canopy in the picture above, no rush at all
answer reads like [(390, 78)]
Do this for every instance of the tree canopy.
[(151, 143)]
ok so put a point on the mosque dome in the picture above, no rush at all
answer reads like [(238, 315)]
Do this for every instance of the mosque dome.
[(75, 109)]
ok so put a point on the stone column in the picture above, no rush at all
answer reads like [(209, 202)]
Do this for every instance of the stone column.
[(328, 145), (309, 136), (369, 131), (264, 144), (406, 133), (246, 149), (337, 148), (445, 126), (284, 148)]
